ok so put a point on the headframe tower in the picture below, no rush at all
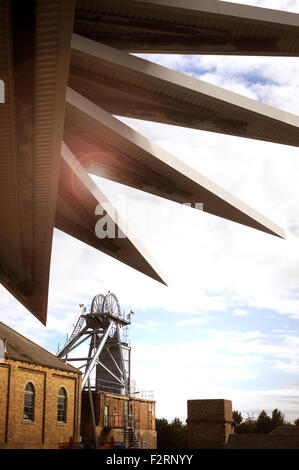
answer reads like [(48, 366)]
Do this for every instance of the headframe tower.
[(107, 365)]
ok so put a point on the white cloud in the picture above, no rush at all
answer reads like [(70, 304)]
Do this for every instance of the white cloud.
[(253, 402), (208, 368), (213, 265), (239, 312), (222, 257), (193, 321), (150, 325)]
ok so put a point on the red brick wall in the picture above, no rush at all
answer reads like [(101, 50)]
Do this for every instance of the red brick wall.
[(44, 431), (143, 412)]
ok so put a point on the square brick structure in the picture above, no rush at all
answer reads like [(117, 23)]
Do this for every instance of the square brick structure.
[(113, 424), (209, 423)]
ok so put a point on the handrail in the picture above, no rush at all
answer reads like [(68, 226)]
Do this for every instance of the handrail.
[(120, 421), (113, 387)]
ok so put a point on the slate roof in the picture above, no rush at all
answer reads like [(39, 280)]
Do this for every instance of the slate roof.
[(23, 349)]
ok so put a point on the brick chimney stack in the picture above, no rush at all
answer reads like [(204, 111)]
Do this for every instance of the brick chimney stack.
[(209, 423)]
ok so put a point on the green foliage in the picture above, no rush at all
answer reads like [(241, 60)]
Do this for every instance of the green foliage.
[(237, 417), (171, 435), (278, 419), (248, 426), (263, 424)]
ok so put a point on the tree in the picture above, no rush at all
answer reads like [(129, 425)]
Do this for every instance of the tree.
[(278, 419), (162, 428), (171, 435), (264, 423), (249, 426), (237, 419), (296, 422), (179, 431)]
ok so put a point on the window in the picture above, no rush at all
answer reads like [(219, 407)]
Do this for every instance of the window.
[(106, 416), (29, 396), (126, 409), (61, 405)]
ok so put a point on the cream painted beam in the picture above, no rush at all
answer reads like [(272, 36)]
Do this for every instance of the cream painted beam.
[(129, 86), (189, 26), (77, 215), (109, 148)]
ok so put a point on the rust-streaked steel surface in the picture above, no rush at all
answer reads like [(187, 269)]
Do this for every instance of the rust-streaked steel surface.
[(188, 27)]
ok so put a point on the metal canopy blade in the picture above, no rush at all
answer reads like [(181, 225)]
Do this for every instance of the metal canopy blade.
[(109, 148), (78, 198), (39, 57), (133, 87), (34, 61), (189, 26)]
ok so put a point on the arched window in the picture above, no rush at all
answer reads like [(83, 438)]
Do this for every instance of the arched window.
[(61, 405), (29, 398)]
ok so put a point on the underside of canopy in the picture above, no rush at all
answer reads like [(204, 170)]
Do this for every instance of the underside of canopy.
[(108, 148), (188, 27), (67, 72), (129, 86)]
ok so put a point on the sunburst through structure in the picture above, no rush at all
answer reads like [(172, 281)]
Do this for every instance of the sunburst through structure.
[(67, 71)]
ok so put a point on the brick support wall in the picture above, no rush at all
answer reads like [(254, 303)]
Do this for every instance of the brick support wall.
[(143, 412), (209, 423), (44, 431)]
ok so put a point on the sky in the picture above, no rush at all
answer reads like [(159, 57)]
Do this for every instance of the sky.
[(227, 324)]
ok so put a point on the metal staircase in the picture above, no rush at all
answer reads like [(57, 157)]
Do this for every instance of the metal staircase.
[(77, 328), (131, 439)]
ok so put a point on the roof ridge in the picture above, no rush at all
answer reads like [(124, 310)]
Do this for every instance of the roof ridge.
[(13, 331)]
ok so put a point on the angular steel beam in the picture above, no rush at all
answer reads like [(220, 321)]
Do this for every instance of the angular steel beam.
[(76, 215), (95, 136), (69, 345), (133, 87), (121, 382), (35, 41), (98, 351), (189, 27)]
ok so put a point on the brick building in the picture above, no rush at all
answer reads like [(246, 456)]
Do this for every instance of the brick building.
[(127, 420), (40, 395), (210, 426)]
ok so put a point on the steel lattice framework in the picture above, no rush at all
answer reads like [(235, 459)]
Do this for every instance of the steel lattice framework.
[(67, 71), (101, 327), (108, 354)]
